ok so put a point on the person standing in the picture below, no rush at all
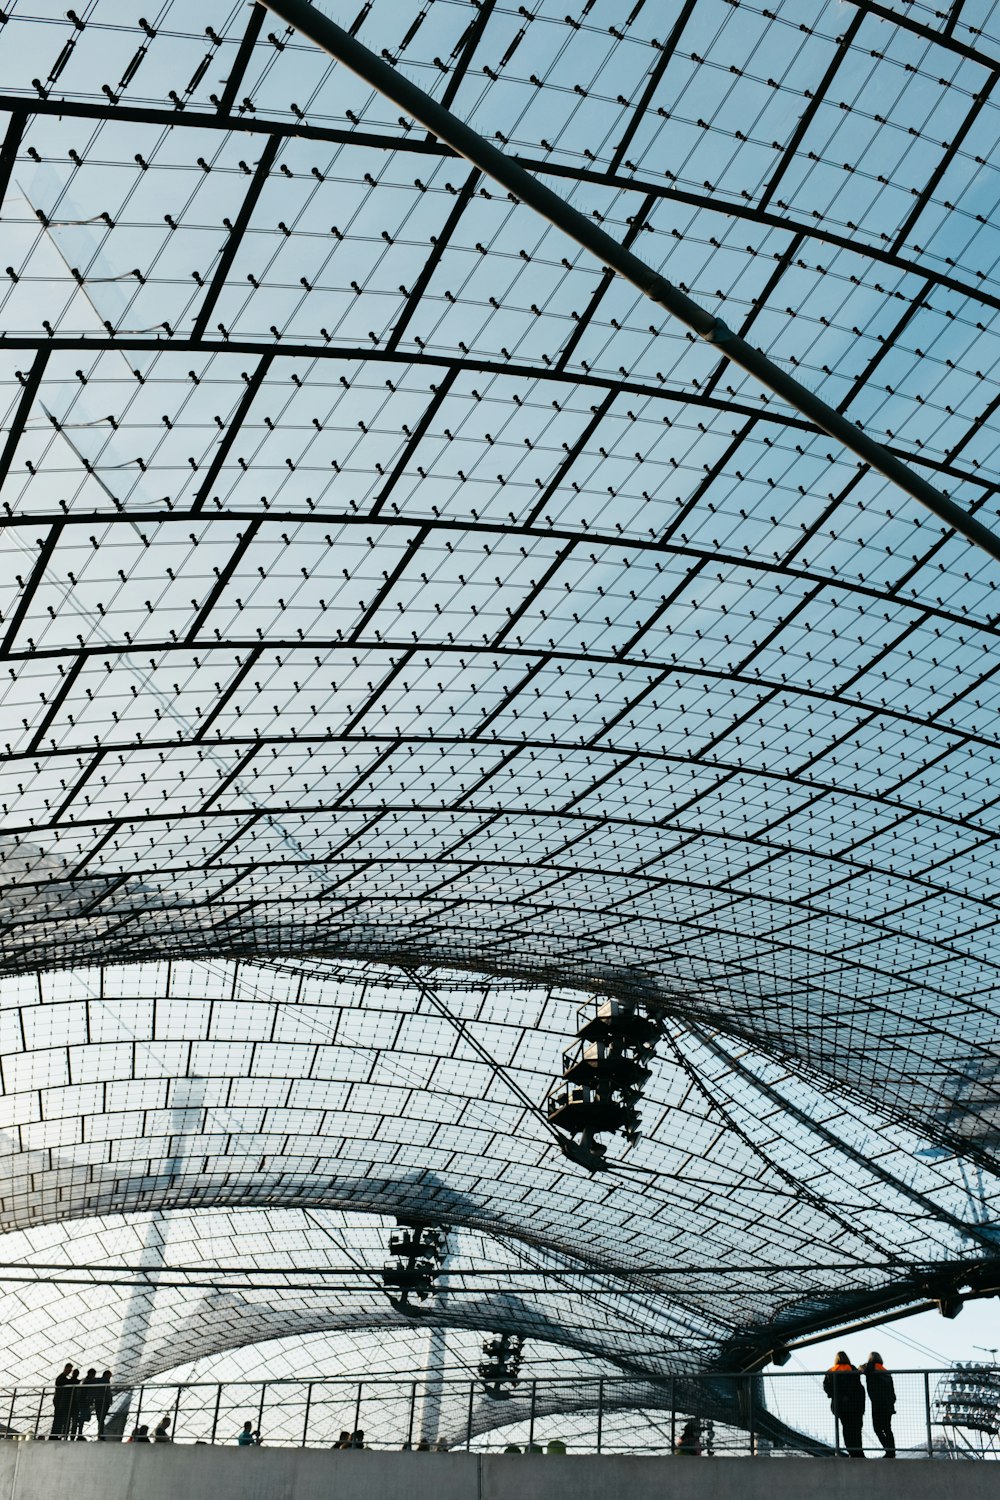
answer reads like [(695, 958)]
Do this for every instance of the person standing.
[(248, 1438), (60, 1404), (161, 1432), (85, 1397), (881, 1401), (842, 1383), (102, 1402), (688, 1445), (73, 1403)]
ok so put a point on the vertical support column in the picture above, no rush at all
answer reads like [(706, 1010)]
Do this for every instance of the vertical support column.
[(305, 1420), (600, 1413), (673, 1415)]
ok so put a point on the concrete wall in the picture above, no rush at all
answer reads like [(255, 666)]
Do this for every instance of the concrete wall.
[(60, 1471), (122, 1472)]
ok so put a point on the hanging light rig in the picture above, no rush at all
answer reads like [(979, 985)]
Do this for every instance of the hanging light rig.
[(602, 1080), (501, 1368), (420, 1251)]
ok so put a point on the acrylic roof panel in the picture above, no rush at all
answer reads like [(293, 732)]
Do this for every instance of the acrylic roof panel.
[(383, 581)]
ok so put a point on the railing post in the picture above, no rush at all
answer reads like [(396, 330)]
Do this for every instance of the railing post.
[(531, 1420), (357, 1410), (177, 1406), (751, 1417), (468, 1434), (927, 1414), (260, 1409), (215, 1415), (413, 1408), (13, 1401), (38, 1416), (305, 1423), (673, 1415), (600, 1412), (138, 1406)]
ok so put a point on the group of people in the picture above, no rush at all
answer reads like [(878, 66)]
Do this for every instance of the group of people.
[(842, 1383), (355, 1439), (75, 1402), (160, 1433)]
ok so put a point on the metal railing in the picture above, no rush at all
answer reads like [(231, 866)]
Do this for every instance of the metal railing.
[(763, 1415)]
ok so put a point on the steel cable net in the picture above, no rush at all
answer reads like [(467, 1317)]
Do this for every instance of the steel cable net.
[(167, 1126), (384, 581)]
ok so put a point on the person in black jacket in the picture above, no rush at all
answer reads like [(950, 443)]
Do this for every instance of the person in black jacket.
[(881, 1400), (688, 1445), (842, 1383), (60, 1404), (73, 1404), (84, 1406), (102, 1402)]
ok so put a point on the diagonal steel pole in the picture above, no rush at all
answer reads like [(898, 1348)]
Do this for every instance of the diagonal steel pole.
[(386, 80)]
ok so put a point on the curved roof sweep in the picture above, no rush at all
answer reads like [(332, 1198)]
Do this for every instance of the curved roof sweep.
[(234, 1113), (386, 585)]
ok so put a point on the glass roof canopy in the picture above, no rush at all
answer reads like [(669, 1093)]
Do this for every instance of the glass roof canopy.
[(384, 583)]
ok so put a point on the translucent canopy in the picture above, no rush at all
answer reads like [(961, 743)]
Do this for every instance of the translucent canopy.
[(180, 1121), (383, 583)]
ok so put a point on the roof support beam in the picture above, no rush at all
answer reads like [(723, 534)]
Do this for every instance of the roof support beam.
[(536, 195), (953, 17), (652, 83), (8, 154), (943, 38), (232, 432), (46, 549), (468, 44), (809, 113), (240, 61), (586, 318), (415, 439), (948, 156), (239, 229), (29, 390), (430, 265)]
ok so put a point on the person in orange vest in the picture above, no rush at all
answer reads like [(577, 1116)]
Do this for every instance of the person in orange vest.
[(842, 1383), (881, 1401)]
